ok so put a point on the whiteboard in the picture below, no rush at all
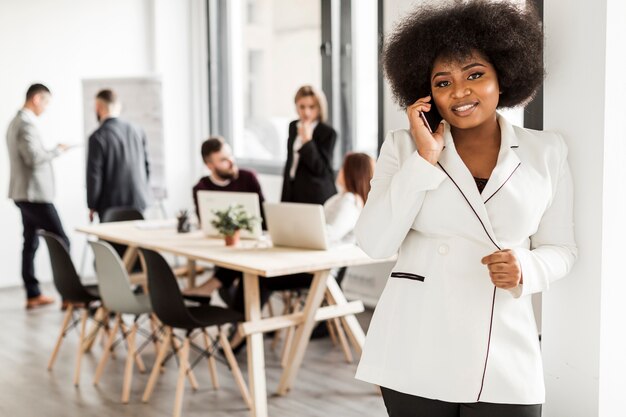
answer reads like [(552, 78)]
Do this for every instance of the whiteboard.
[(142, 105)]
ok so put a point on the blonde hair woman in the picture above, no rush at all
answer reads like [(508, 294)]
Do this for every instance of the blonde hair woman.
[(308, 175)]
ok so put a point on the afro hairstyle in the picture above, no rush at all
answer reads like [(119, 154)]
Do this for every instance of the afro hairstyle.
[(509, 37)]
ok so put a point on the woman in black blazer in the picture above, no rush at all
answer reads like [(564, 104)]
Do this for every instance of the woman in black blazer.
[(308, 175)]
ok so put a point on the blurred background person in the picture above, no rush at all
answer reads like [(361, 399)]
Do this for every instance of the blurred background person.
[(308, 176), (118, 167), (31, 185)]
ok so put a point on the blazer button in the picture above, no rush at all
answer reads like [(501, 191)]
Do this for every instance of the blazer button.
[(443, 249)]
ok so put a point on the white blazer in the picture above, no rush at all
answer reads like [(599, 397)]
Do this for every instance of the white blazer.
[(441, 330)]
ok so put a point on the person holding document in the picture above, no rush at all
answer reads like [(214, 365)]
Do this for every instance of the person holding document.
[(31, 185)]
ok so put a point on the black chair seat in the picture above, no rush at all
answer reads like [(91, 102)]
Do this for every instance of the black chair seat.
[(93, 290), (202, 299), (169, 304), (207, 316), (90, 295)]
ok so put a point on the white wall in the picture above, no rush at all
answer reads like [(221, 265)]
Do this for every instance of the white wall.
[(59, 43), (584, 341), (613, 311)]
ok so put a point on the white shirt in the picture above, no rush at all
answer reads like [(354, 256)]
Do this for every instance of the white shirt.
[(342, 212), (297, 145)]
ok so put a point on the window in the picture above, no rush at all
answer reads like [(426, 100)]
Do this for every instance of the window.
[(262, 51)]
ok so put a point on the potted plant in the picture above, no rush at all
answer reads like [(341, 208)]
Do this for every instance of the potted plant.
[(231, 221)]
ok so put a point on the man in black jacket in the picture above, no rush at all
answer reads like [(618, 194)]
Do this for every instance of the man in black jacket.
[(117, 161)]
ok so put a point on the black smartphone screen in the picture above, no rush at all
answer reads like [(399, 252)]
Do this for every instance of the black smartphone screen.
[(433, 117)]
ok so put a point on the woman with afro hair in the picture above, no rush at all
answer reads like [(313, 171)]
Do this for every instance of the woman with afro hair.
[(478, 211)]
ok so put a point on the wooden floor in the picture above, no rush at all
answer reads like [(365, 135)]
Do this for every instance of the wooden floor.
[(324, 387)]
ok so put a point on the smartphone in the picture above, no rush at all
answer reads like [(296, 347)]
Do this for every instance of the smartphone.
[(423, 117), (432, 118)]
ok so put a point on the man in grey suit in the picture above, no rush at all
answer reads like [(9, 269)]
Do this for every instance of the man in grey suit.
[(31, 186), (117, 161)]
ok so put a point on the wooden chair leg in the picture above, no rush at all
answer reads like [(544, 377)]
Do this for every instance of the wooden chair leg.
[(234, 368), (66, 321), (81, 349), (138, 358), (192, 377), (103, 334), (100, 316), (182, 371), (212, 364), (158, 363), (130, 360), (107, 349), (155, 325)]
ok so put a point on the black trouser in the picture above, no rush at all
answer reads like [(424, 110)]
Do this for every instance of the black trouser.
[(404, 405), (228, 278), (36, 216)]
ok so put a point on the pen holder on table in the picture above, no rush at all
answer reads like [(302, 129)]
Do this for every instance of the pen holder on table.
[(183, 225)]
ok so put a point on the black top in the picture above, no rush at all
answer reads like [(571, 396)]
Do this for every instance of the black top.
[(246, 182), (117, 167), (480, 183), (314, 181)]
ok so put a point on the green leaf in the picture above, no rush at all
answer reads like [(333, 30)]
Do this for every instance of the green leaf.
[(234, 218)]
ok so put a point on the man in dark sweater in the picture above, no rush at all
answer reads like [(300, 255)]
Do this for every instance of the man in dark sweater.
[(225, 176)]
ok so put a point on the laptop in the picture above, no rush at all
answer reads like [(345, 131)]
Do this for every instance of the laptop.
[(296, 225), (209, 201)]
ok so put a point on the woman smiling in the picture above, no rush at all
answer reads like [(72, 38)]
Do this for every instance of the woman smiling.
[(478, 210)]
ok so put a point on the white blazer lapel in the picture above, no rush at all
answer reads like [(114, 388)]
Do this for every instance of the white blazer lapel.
[(508, 161), (454, 167)]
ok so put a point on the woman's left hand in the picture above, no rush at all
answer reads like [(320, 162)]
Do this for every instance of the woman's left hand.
[(504, 269)]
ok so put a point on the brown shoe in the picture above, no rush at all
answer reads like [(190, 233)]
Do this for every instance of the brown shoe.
[(39, 301)]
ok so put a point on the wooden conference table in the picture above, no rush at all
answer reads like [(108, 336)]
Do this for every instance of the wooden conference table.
[(256, 259)]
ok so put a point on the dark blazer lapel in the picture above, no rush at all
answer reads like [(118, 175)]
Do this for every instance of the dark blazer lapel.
[(508, 161), (452, 165)]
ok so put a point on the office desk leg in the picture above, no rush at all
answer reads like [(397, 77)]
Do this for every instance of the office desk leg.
[(255, 349), (351, 324), (130, 256), (191, 273), (303, 332)]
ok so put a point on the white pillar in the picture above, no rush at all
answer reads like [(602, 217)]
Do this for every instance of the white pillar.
[(584, 316)]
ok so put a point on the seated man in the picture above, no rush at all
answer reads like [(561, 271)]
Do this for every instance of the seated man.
[(225, 176)]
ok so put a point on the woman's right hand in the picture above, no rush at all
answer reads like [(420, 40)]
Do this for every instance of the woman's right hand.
[(305, 131), (429, 145)]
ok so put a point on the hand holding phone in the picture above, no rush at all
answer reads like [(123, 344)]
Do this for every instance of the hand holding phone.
[(425, 122), (429, 143)]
